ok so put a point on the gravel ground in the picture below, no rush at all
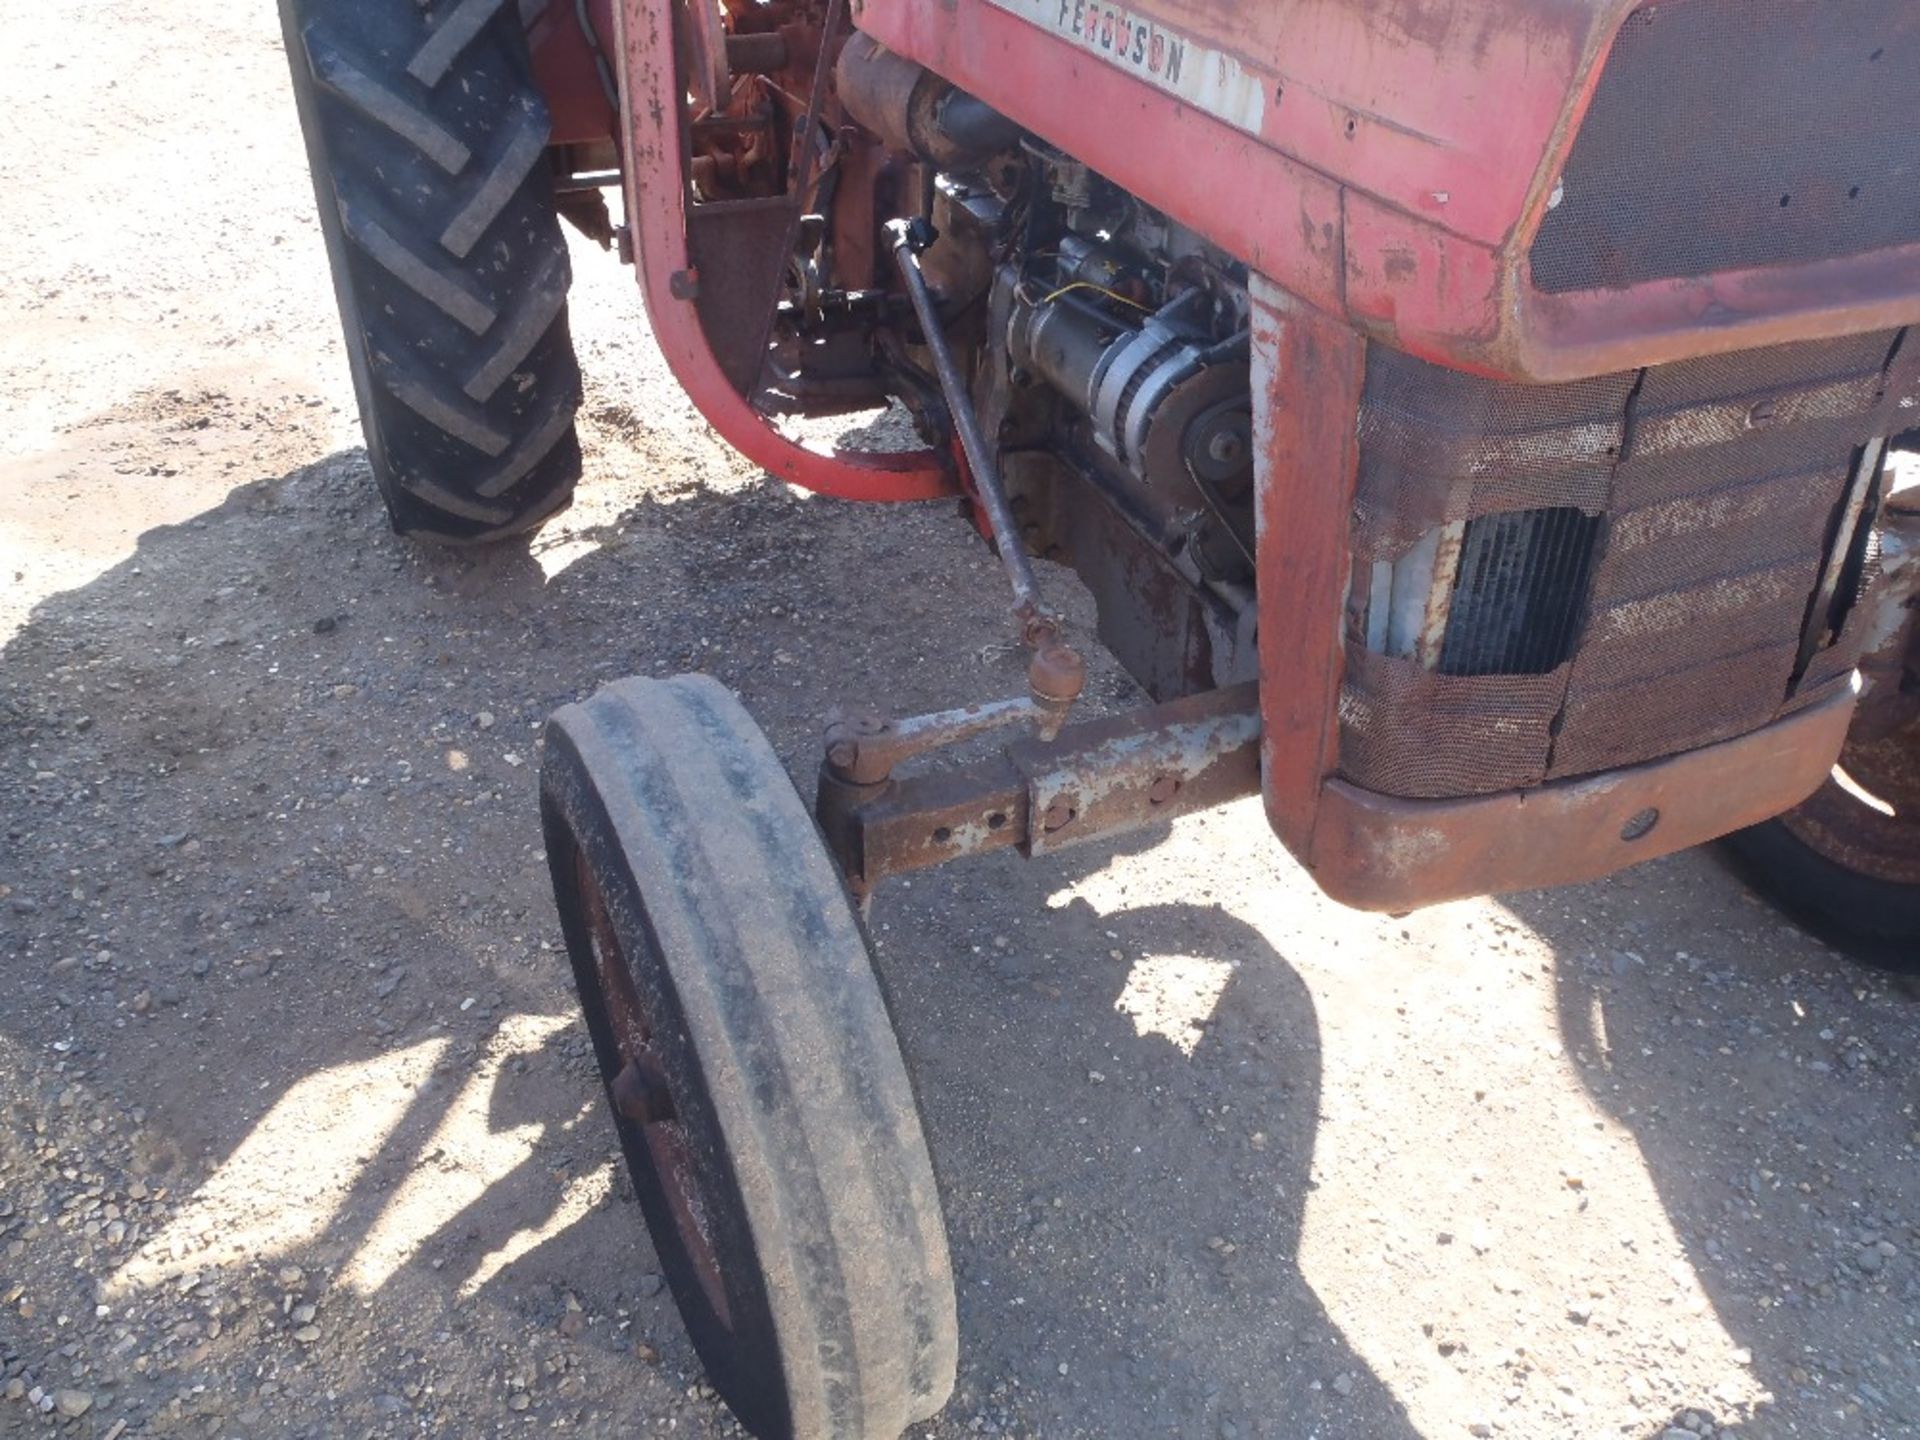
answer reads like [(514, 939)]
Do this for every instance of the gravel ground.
[(298, 1132)]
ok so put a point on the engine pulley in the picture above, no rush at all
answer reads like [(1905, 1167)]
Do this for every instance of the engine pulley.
[(1164, 403)]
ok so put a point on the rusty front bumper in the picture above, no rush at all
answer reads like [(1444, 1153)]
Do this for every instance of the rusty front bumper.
[(1379, 853)]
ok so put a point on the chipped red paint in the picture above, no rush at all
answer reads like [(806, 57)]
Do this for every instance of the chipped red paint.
[(1308, 370), (1388, 193), (1376, 852), (1384, 853)]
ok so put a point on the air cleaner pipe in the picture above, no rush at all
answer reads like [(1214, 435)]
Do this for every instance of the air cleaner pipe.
[(911, 108)]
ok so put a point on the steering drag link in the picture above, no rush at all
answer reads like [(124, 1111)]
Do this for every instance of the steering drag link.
[(1038, 625), (862, 749)]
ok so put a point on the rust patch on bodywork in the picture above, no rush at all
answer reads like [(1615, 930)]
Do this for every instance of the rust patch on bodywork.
[(1380, 853)]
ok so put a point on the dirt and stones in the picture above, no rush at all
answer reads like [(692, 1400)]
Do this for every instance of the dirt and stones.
[(298, 1134)]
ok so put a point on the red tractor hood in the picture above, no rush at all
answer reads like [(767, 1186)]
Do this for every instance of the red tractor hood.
[(1392, 160)]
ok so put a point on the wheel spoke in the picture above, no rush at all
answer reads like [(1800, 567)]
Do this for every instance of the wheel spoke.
[(642, 1092)]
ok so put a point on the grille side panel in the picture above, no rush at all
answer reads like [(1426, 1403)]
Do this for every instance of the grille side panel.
[(1409, 731), (1729, 134), (1441, 445), (1668, 526), (1718, 521)]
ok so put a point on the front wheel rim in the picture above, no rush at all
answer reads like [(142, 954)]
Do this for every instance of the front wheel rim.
[(645, 1094)]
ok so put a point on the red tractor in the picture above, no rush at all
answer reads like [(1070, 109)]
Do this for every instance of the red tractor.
[(1483, 425)]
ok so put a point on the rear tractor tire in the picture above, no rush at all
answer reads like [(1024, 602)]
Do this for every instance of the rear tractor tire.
[(750, 1065), (426, 137), (1845, 864)]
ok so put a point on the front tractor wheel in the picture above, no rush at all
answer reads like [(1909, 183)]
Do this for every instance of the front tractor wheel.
[(427, 138), (750, 1064)]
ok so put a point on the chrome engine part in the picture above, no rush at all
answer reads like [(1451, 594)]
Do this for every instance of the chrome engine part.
[(1106, 350), (1140, 329)]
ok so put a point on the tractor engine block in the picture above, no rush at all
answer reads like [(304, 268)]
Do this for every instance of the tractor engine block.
[(1110, 355)]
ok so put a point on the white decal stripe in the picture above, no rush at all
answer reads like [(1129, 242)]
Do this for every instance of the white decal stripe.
[(1207, 79)]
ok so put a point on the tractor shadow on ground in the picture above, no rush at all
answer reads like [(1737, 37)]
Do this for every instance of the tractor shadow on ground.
[(1717, 1059), (268, 797), (275, 883), (270, 877), (1123, 1106)]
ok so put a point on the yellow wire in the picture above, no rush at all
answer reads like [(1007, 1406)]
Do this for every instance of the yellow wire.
[(1089, 285)]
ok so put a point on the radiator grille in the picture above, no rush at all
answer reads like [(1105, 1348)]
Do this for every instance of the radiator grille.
[(1520, 585), (1661, 611), (1726, 134)]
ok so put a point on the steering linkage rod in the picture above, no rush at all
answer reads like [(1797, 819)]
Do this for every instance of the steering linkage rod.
[(1037, 623)]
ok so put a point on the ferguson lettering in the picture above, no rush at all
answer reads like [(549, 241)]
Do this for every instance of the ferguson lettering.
[(1138, 43), (1210, 80)]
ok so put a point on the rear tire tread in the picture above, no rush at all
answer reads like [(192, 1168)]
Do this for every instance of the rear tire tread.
[(427, 138), (433, 59)]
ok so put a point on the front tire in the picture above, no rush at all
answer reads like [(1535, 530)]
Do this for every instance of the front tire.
[(750, 1065), (426, 137)]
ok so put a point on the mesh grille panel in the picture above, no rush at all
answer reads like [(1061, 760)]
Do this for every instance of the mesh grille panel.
[(1644, 710), (1733, 133), (1405, 730), (1440, 445), (1668, 588)]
